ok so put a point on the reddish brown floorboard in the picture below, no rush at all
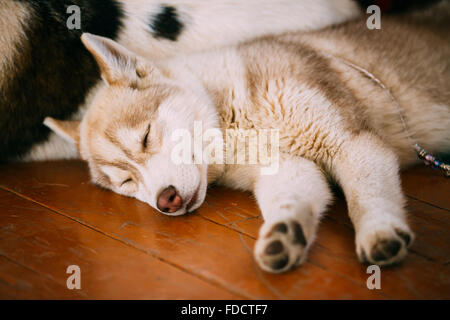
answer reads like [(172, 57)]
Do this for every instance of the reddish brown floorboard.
[(52, 217)]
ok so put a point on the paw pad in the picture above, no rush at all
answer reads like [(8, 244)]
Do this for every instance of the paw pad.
[(404, 235), (282, 247), (299, 236), (386, 249), (274, 247), (280, 263)]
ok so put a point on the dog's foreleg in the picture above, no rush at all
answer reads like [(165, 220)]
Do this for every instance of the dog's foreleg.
[(292, 202), (368, 172)]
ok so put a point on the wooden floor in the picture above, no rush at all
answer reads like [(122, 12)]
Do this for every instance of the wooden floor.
[(52, 217)]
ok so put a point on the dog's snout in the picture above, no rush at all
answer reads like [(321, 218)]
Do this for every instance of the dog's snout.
[(169, 200)]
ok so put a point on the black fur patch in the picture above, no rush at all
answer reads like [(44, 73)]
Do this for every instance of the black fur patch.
[(53, 71), (166, 24)]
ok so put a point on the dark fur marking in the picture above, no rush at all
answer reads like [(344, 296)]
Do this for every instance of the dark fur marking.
[(54, 71), (166, 24)]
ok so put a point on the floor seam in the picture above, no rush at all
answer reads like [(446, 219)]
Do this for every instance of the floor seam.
[(147, 252), (426, 202)]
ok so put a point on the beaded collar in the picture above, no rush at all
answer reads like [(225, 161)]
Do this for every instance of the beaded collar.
[(428, 158)]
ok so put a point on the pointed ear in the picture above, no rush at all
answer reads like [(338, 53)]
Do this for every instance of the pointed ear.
[(118, 65), (68, 130)]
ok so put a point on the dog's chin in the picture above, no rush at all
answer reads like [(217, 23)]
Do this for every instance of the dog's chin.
[(174, 214), (197, 199), (198, 196)]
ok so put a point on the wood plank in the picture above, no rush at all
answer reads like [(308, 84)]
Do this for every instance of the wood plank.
[(37, 246), (432, 228), (208, 250), (18, 282), (428, 185), (429, 223), (417, 277)]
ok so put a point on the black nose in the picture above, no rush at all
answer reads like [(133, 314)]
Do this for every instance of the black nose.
[(169, 200)]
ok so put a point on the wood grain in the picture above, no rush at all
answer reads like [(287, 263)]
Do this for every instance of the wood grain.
[(38, 245), (141, 253)]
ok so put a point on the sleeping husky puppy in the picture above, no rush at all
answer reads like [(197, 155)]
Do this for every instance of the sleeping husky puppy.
[(46, 71), (332, 122)]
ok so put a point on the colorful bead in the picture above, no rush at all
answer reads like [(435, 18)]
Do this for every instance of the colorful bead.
[(429, 159)]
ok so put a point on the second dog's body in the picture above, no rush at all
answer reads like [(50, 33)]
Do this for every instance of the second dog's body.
[(331, 119)]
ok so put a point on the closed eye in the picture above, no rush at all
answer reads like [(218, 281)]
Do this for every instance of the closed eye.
[(145, 139), (126, 181)]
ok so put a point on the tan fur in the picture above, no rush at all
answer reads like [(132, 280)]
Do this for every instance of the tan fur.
[(331, 119), (415, 67), (204, 25)]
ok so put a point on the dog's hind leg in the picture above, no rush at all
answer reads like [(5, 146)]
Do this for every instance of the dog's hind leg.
[(368, 172), (291, 202)]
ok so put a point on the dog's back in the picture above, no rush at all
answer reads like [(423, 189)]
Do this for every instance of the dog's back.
[(410, 55), (415, 47)]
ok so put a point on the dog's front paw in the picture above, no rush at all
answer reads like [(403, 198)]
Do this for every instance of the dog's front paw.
[(281, 247), (385, 245)]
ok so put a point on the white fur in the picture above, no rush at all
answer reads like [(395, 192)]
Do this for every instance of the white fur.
[(208, 24), (211, 24), (299, 192), (262, 84)]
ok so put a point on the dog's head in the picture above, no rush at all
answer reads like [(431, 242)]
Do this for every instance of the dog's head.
[(127, 135)]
